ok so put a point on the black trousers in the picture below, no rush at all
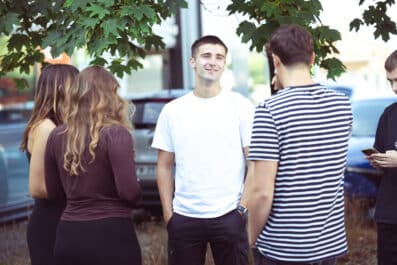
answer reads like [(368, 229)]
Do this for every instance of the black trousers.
[(387, 244), (188, 238), (261, 260), (41, 231), (97, 242)]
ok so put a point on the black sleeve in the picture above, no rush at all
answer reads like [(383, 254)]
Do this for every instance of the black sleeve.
[(380, 137), (51, 173)]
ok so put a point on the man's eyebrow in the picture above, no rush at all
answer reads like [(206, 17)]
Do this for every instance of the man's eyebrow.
[(209, 53)]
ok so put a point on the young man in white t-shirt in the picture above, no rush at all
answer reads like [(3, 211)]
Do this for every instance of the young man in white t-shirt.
[(203, 137)]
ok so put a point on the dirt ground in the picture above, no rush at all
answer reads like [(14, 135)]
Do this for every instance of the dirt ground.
[(152, 236)]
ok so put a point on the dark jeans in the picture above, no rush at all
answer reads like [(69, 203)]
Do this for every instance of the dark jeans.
[(387, 244), (261, 260), (188, 238)]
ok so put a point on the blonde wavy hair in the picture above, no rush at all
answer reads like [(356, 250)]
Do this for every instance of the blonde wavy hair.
[(52, 87), (92, 104)]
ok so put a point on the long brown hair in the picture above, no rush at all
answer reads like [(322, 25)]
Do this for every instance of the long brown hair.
[(92, 104), (53, 84)]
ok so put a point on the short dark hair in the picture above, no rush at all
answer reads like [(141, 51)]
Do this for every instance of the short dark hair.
[(208, 39), (391, 62), (292, 44)]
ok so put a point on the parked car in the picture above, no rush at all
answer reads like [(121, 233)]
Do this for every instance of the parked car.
[(361, 179), (14, 167), (148, 107)]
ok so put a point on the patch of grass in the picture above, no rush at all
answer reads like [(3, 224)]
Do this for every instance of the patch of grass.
[(152, 235)]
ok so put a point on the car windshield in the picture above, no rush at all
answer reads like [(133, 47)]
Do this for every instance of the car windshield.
[(147, 113), (366, 114)]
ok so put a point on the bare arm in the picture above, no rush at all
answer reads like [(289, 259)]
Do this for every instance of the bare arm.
[(165, 182), (38, 138), (248, 177), (260, 197)]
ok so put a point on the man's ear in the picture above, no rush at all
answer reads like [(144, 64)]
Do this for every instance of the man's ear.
[(312, 58), (276, 60), (192, 62)]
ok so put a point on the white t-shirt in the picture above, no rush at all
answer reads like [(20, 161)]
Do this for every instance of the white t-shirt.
[(207, 136)]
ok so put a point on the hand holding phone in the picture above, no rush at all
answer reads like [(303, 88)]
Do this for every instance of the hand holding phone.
[(369, 151)]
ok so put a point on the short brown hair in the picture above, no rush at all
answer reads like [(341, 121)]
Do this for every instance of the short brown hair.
[(292, 44), (208, 39), (391, 62)]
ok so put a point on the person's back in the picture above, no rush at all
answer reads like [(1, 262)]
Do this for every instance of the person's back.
[(313, 127), (106, 188), (54, 81), (298, 145), (90, 159)]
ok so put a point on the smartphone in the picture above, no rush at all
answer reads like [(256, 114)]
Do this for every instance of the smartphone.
[(369, 151)]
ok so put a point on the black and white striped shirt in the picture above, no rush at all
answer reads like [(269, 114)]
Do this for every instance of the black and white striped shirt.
[(306, 129)]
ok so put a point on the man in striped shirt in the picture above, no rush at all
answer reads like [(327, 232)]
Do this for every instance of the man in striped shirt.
[(298, 146)]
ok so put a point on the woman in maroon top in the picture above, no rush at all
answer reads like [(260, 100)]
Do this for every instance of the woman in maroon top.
[(90, 159)]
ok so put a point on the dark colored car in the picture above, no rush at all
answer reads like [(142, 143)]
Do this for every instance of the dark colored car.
[(361, 179), (148, 107)]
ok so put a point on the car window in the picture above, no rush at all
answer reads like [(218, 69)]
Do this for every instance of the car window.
[(14, 166), (366, 114), (348, 91), (14, 116), (147, 113)]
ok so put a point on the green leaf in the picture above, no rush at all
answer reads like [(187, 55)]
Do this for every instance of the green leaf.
[(111, 26), (97, 10), (106, 3), (51, 38), (17, 41), (75, 5), (68, 3), (127, 10), (246, 29), (134, 64), (148, 12), (334, 66), (21, 83), (117, 67), (174, 5), (89, 22), (99, 61), (355, 24), (7, 22)]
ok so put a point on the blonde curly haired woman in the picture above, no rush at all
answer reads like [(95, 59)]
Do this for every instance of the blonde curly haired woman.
[(90, 159), (48, 112)]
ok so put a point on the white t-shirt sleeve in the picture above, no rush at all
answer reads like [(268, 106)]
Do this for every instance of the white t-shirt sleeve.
[(162, 136), (246, 120)]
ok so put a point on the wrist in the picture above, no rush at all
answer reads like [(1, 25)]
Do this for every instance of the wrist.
[(242, 210)]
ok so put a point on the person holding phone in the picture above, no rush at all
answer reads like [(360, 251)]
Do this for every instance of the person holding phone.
[(386, 159)]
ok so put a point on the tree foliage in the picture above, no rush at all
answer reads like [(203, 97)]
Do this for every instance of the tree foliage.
[(375, 15), (266, 15), (121, 28)]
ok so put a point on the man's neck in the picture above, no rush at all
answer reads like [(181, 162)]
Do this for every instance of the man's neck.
[(297, 76), (207, 89)]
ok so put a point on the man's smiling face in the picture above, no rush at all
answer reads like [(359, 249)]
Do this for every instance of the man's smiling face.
[(209, 61)]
